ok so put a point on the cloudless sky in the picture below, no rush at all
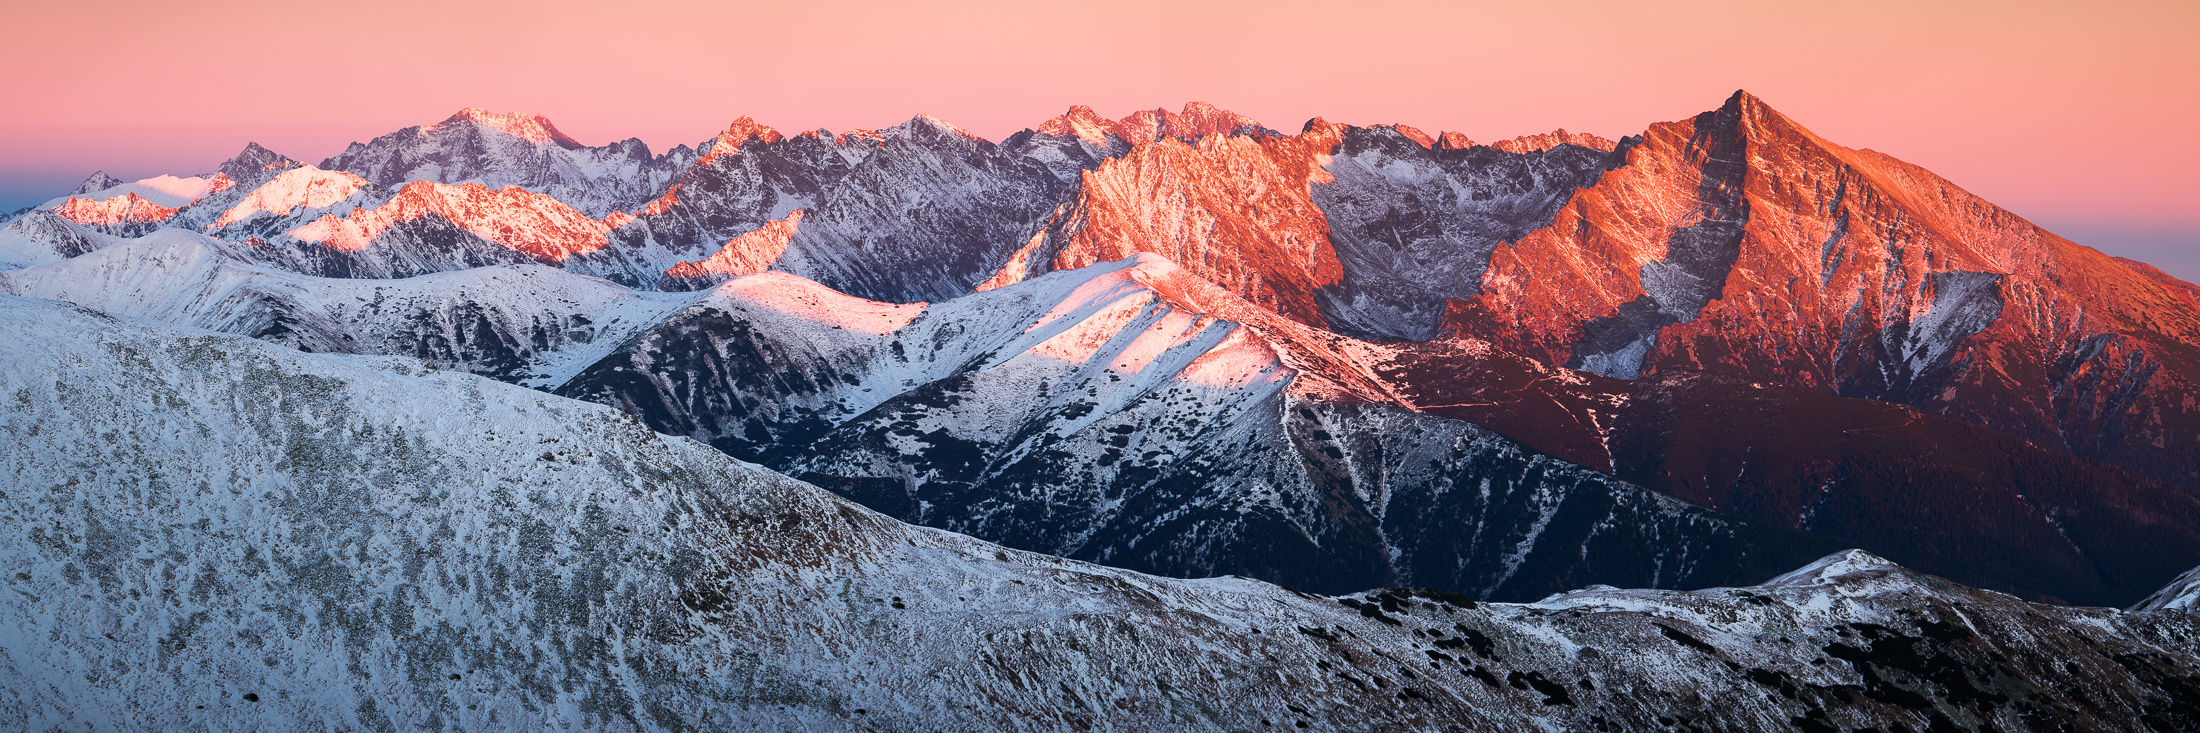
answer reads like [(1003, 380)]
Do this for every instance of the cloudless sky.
[(2080, 116)]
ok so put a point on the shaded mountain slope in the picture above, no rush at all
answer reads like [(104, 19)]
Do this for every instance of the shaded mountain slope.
[(1738, 242), (1107, 414), (208, 531), (1990, 508), (1143, 416)]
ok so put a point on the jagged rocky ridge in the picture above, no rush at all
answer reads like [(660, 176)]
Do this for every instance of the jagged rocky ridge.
[(1389, 232), (1691, 247), (1738, 242), (205, 530), (527, 151)]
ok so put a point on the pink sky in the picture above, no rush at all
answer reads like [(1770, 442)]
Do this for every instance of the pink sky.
[(2079, 116)]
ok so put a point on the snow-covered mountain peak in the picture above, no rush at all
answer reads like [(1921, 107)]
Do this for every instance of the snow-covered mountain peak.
[(255, 162), (98, 181), (2182, 594), (925, 126), (298, 186), (532, 128), (742, 130), (800, 299), (1080, 122), (1833, 568), (746, 253), (44, 237), (161, 190), (533, 224), (129, 208)]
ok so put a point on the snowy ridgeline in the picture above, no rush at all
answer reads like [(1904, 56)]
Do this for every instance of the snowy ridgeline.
[(203, 530)]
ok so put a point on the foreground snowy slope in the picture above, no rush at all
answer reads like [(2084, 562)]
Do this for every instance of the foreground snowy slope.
[(207, 531)]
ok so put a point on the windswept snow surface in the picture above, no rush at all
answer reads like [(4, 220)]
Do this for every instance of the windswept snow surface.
[(302, 187), (163, 190), (44, 238), (2182, 594)]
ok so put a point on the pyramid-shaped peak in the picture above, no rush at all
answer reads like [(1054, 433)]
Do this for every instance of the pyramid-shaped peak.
[(1760, 121), (1451, 140), (923, 124), (249, 162), (96, 182), (1751, 107), (532, 128), (745, 128), (1742, 99), (1833, 567), (738, 133), (256, 151), (1082, 115)]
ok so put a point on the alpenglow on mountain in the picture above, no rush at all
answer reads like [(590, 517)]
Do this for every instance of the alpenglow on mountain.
[(1167, 422)]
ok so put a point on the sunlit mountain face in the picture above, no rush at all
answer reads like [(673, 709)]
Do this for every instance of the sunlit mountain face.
[(1169, 422)]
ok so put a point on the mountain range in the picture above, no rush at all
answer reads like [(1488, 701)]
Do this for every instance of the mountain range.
[(1173, 345)]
